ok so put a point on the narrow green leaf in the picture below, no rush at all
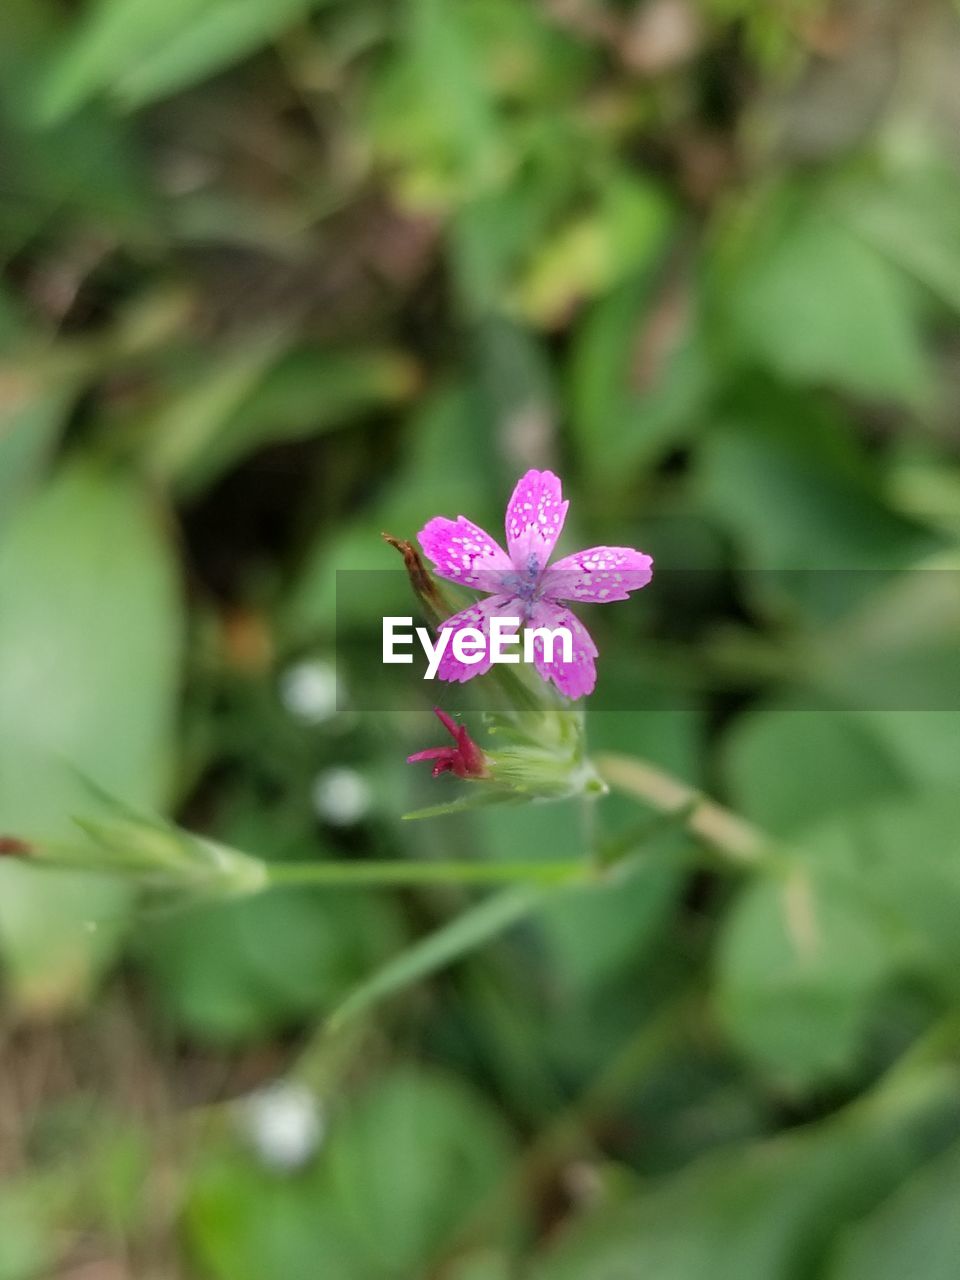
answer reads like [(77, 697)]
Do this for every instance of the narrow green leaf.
[(471, 929), (140, 50), (190, 421), (475, 799)]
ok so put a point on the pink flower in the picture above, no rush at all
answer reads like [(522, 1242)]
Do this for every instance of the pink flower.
[(522, 584), (466, 759)]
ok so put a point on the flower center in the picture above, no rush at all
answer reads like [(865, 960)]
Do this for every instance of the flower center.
[(524, 584)]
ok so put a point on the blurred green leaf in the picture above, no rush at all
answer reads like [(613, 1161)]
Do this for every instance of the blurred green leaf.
[(261, 394), (599, 933), (302, 393), (639, 378), (800, 962), (89, 651), (239, 971), (793, 511), (115, 1184), (192, 419), (31, 419), (407, 1165), (795, 504), (766, 1212), (591, 933), (29, 1249), (873, 895), (592, 253), (139, 51), (917, 1225), (85, 165), (485, 1264), (902, 853), (415, 1161), (245, 1223), (433, 109), (817, 304), (311, 390), (777, 758), (925, 744), (898, 649), (910, 212)]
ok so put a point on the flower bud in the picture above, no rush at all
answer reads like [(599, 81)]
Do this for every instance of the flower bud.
[(155, 855), (544, 755)]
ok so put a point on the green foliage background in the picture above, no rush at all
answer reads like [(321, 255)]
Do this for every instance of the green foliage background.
[(278, 276)]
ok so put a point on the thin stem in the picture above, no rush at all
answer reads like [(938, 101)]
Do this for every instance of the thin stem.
[(729, 834), (343, 874)]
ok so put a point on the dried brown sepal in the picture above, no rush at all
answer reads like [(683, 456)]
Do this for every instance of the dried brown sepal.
[(424, 586), (11, 847)]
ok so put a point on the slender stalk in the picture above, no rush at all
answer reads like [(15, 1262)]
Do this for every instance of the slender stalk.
[(345, 874), (729, 834)]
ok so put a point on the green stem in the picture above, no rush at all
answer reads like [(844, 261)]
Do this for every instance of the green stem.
[(344, 874), (729, 834)]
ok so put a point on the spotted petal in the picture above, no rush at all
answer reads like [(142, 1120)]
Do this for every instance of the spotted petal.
[(574, 678), (598, 575), (476, 615), (535, 516), (463, 552)]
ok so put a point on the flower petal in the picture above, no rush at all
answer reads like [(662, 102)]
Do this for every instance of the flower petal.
[(576, 678), (431, 753), (463, 552), (476, 615), (448, 722), (535, 516), (598, 575)]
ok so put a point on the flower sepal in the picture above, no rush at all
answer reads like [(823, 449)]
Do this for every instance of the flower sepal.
[(543, 756), (160, 859), (540, 756), (168, 860)]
